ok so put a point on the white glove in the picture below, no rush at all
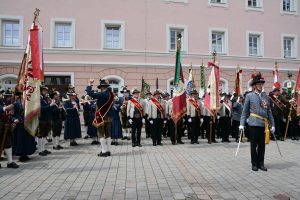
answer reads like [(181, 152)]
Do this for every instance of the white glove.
[(241, 127), (272, 129), (130, 121), (143, 121), (218, 117), (284, 120), (151, 121), (183, 120), (201, 121), (190, 120), (165, 121)]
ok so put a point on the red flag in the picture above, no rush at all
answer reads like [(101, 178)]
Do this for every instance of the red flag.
[(36, 44)]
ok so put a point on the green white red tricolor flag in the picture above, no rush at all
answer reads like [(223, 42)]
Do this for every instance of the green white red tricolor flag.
[(179, 96)]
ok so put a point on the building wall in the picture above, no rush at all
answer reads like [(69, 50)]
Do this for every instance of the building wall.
[(146, 53)]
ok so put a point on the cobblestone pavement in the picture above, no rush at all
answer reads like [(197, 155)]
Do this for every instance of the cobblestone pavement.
[(198, 171)]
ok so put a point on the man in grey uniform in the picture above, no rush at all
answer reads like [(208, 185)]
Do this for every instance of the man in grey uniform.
[(258, 111)]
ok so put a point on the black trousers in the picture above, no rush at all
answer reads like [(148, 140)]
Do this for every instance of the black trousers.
[(206, 121), (225, 127), (257, 145), (195, 129), (136, 128), (235, 129), (180, 130), (156, 130), (147, 128), (278, 127), (294, 128)]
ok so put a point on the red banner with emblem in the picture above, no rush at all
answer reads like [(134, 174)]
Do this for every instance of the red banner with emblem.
[(194, 103)]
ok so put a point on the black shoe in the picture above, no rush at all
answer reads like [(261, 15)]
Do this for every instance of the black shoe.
[(102, 154), (128, 138), (94, 142), (154, 144), (139, 145), (192, 142), (108, 153), (293, 138), (116, 143), (297, 138), (86, 137), (180, 142), (254, 168), (173, 143), (196, 142), (42, 154), (56, 148), (73, 144), (47, 152), (60, 147), (49, 140), (215, 141), (160, 144), (281, 139), (24, 158), (124, 138), (113, 143), (133, 145), (263, 168), (12, 165)]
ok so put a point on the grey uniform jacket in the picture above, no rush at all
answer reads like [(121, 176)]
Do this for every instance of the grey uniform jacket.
[(253, 105), (191, 110), (237, 110), (130, 108), (152, 110)]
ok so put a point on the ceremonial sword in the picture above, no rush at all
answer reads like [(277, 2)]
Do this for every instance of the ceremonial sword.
[(240, 139), (276, 143)]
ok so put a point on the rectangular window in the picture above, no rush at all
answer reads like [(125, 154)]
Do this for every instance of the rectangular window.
[(216, 1), (288, 47), (252, 3), (63, 35), (218, 42), (173, 38), (112, 37), (289, 5), (254, 45), (10, 33)]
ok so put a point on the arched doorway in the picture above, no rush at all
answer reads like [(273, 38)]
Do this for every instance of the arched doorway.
[(116, 83), (8, 81)]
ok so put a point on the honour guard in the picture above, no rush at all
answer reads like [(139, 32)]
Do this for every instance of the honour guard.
[(194, 116), (165, 99), (156, 117), (124, 119), (237, 108), (103, 114), (135, 113), (258, 111), (145, 104), (225, 118)]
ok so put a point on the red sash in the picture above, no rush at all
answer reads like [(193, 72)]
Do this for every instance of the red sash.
[(227, 106), (137, 105), (194, 103), (100, 113), (159, 106)]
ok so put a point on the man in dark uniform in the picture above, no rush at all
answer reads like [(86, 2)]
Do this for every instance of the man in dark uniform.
[(225, 118), (124, 119), (194, 116), (57, 118), (258, 111), (145, 104), (47, 105), (237, 109), (6, 110), (103, 115), (135, 114)]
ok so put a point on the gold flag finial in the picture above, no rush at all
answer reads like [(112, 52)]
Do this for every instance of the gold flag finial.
[(214, 54), (36, 14), (179, 36)]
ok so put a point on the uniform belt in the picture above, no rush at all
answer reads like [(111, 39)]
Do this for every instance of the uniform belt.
[(267, 131)]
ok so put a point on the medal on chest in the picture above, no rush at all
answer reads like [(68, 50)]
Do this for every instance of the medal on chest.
[(263, 104)]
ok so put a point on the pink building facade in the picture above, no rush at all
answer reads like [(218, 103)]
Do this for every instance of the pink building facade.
[(125, 40)]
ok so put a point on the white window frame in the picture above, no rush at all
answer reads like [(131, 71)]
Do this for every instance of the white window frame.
[(176, 1), (53, 22), (185, 36), (292, 12), (294, 46), (115, 77), (19, 19), (225, 85), (261, 45), (5, 77), (223, 3), (105, 23), (225, 42), (259, 7)]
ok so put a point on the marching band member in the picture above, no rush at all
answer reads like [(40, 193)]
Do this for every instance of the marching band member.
[(103, 114), (225, 118)]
